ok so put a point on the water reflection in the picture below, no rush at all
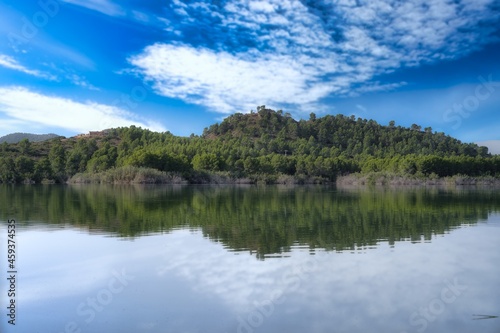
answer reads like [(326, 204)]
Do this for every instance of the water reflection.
[(184, 282), (183, 259), (267, 221)]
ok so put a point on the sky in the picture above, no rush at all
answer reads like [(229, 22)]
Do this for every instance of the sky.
[(73, 66)]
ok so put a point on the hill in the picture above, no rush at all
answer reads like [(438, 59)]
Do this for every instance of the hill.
[(349, 135), (16, 137), (264, 146)]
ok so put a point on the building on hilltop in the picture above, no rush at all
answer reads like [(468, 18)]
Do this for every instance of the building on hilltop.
[(94, 134)]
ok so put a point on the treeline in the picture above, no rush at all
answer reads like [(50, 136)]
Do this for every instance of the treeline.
[(264, 146), (16, 137), (262, 220)]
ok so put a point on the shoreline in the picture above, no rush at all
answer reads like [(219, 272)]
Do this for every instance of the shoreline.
[(142, 175), (398, 180), (149, 176)]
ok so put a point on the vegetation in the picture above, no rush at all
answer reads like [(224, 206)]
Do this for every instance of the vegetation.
[(16, 137), (130, 175), (260, 219), (263, 146)]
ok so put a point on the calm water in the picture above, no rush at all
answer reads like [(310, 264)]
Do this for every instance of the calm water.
[(252, 259)]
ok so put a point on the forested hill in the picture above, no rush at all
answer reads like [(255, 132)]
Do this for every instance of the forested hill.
[(16, 137), (264, 146), (347, 136)]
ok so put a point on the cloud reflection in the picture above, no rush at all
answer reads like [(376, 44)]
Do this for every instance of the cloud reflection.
[(186, 281)]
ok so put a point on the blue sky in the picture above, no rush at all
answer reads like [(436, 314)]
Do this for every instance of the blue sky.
[(71, 66)]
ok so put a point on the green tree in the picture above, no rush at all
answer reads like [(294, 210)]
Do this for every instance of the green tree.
[(8, 172), (57, 157), (25, 168), (43, 170), (4, 147), (74, 162), (25, 147), (415, 127), (207, 161), (251, 165), (103, 159)]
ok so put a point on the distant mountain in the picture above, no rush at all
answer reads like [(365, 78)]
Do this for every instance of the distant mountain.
[(16, 137)]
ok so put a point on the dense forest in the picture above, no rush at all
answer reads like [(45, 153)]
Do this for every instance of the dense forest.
[(264, 146)]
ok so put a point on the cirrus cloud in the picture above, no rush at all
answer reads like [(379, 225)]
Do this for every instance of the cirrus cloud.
[(35, 109), (11, 63), (233, 55), (223, 81), (104, 6)]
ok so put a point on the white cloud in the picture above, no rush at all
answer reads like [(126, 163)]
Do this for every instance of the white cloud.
[(225, 82), (10, 125), (140, 16), (110, 8), (378, 86), (261, 6), (302, 53), (32, 108), (104, 6), (81, 81), (11, 63)]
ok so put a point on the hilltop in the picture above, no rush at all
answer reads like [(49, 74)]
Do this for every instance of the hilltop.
[(16, 137), (351, 136), (264, 146)]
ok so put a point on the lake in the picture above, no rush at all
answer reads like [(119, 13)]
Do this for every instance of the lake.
[(248, 259)]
